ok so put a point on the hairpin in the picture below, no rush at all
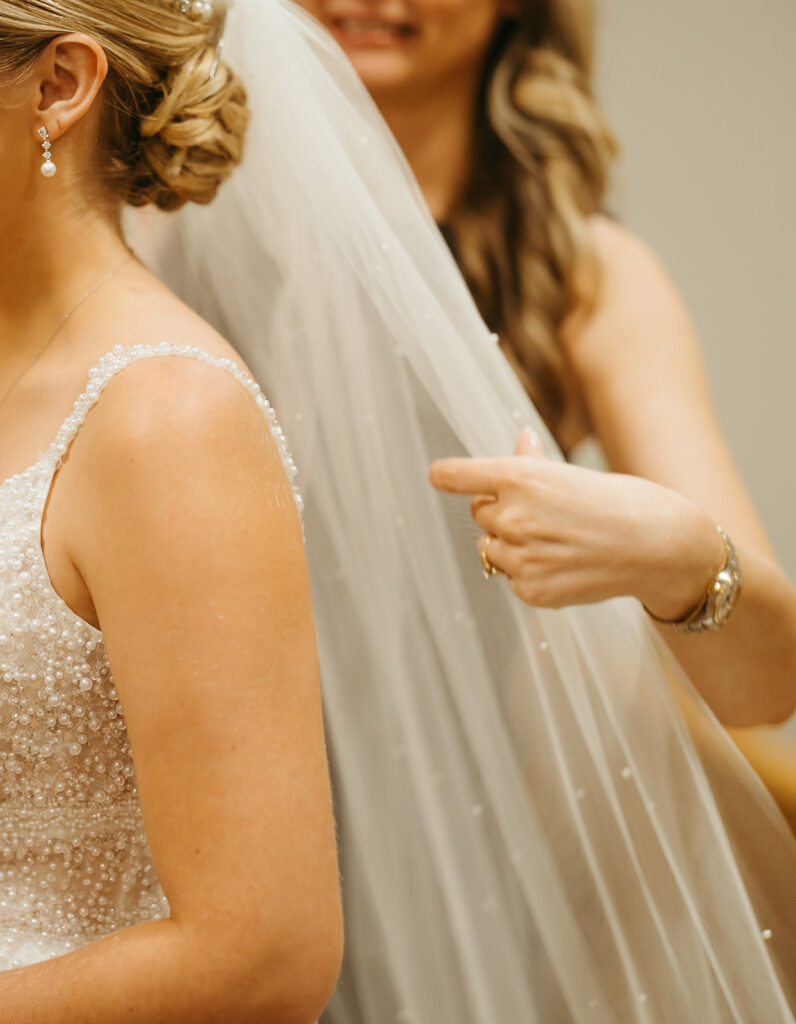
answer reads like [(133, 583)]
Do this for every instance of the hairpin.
[(218, 40), (196, 8), (203, 10)]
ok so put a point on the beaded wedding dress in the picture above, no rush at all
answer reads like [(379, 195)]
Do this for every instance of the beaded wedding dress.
[(74, 859)]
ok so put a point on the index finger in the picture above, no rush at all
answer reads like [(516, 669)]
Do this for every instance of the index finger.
[(470, 476)]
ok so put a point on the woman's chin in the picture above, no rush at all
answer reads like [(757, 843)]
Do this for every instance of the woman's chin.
[(382, 72)]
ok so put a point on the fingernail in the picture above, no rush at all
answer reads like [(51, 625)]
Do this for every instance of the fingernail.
[(534, 438)]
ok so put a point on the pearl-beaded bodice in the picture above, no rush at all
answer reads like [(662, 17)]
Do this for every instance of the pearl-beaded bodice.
[(74, 859)]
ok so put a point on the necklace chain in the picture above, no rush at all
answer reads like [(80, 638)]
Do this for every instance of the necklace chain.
[(62, 324)]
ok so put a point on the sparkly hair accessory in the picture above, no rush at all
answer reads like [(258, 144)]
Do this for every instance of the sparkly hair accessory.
[(202, 10), (195, 8)]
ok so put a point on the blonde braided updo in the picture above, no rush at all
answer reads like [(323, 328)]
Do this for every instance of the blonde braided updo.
[(171, 133)]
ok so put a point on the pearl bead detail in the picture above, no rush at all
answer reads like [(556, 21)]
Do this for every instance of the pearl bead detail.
[(195, 8), (74, 859)]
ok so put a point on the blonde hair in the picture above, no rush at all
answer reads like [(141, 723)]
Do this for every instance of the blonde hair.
[(540, 169), (170, 133)]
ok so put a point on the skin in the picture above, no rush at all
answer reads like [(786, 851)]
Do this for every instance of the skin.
[(563, 534), (201, 592)]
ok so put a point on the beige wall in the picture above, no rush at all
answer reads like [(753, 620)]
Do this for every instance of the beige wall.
[(702, 94)]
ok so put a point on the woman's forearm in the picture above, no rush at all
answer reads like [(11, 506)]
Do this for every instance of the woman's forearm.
[(564, 535), (746, 671), (153, 974)]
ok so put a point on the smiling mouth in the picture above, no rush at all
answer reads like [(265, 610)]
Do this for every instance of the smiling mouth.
[(372, 31)]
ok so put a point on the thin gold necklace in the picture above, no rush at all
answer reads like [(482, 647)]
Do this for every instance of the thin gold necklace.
[(62, 324)]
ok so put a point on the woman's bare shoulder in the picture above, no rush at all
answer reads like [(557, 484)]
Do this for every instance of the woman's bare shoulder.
[(141, 310), (635, 310), (628, 266)]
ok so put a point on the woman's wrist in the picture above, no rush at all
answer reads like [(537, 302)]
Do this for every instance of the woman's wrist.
[(687, 557)]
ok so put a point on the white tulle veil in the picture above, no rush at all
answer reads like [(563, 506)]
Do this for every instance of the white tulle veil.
[(539, 820)]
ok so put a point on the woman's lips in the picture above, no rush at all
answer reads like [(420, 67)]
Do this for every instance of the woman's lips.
[(371, 32)]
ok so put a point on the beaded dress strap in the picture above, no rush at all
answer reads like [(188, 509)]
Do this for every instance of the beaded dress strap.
[(122, 356)]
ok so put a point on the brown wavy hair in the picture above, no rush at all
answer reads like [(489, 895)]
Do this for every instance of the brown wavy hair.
[(171, 133), (540, 169)]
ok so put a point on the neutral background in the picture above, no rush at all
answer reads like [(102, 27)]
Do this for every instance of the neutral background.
[(702, 94)]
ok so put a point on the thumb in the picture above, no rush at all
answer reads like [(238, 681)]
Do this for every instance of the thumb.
[(530, 444)]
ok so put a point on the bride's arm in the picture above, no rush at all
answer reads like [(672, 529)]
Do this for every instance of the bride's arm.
[(184, 529)]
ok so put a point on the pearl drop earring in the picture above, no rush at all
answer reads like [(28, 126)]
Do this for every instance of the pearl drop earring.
[(48, 168)]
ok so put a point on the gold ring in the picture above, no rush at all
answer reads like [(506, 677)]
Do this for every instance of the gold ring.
[(489, 569)]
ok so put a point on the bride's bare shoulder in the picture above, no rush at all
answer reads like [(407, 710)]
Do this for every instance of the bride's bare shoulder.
[(172, 404), (138, 309), (152, 314)]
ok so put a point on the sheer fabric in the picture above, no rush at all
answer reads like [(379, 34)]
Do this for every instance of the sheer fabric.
[(534, 826)]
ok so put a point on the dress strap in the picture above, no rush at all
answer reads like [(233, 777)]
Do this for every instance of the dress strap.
[(120, 357)]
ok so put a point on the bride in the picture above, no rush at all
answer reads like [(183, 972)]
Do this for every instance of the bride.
[(151, 559)]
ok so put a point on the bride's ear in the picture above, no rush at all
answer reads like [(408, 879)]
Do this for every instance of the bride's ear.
[(70, 72)]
